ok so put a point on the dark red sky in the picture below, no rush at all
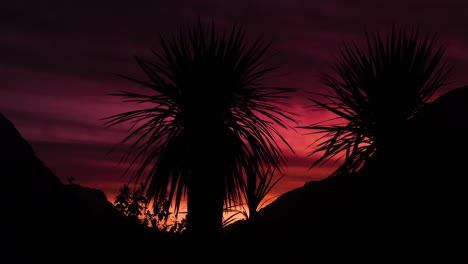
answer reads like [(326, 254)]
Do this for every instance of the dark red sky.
[(59, 59)]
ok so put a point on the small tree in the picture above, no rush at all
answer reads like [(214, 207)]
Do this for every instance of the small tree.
[(257, 189), (254, 194)]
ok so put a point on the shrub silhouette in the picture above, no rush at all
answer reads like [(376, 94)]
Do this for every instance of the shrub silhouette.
[(135, 206)]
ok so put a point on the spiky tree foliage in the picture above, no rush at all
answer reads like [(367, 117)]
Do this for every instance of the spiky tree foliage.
[(257, 189), (254, 194), (210, 119), (374, 91)]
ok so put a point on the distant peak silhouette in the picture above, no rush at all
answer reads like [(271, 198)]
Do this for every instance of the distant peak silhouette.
[(19, 162)]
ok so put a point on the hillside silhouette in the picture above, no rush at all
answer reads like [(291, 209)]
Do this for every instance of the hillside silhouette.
[(410, 208), (418, 215), (45, 220)]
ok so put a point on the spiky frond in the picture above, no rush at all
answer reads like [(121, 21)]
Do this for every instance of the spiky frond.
[(256, 190), (374, 90)]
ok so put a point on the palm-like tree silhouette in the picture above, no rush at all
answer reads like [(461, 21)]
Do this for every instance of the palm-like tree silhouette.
[(211, 125), (374, 91)]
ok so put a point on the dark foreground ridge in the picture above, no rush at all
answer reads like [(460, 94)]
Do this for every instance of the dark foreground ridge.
[(411, 208), (47, 221)]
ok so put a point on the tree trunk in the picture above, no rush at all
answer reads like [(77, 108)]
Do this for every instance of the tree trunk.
[(205, 202), (206, 190)]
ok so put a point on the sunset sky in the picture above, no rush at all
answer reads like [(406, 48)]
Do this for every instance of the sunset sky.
[(59, 59)]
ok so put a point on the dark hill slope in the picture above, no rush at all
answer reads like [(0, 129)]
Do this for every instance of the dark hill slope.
[(46, 221), (410, 208)]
